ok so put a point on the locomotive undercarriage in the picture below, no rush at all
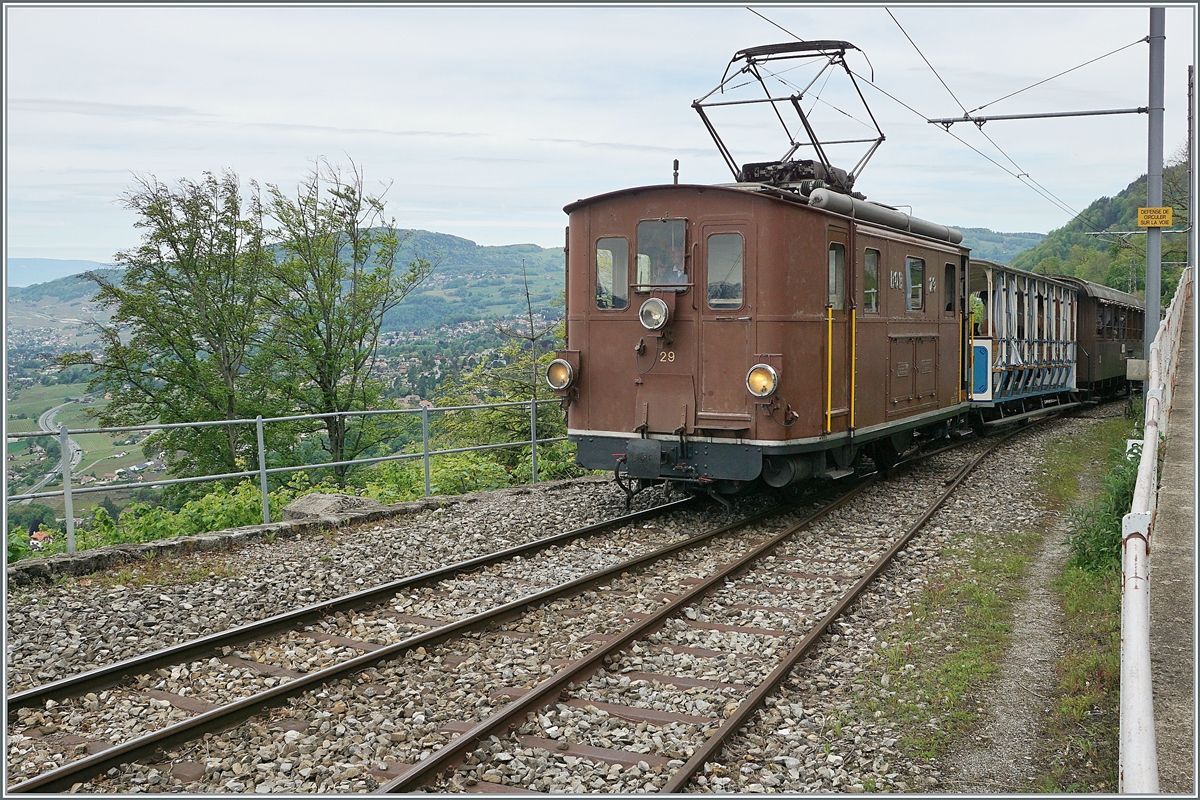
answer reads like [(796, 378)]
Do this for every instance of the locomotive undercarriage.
[(725, 468)]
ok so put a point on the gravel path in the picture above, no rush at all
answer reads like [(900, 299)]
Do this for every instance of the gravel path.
[(1000, 757)]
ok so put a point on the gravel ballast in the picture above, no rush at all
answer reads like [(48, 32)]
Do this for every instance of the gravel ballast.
[(347, 739)]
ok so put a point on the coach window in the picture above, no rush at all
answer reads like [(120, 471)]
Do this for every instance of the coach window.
[(979, 310), (837, 276), (726, 264), (915, 283), (612, 273), (660, 248), (871, 282)]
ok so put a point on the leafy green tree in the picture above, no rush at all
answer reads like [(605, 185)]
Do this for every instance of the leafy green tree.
[(333, 281), (30, 517), (183, 343)]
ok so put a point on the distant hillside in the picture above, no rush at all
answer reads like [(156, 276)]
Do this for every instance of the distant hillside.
[(471, 282), (1108, 213), (998, 247), (58, 310), (62, 290), (477, 282)]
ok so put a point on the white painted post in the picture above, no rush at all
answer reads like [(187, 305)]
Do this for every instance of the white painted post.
[(425, 444), (64, 445), (533, 435), (262, 471)]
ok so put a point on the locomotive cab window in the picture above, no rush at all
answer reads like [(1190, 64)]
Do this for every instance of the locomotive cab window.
[(914, 274), (837, 276), (871, 281), (948, 288), (612, 273), (726, 265), (661, 244)]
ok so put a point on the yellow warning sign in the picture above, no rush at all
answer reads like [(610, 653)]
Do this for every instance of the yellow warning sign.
[(1154, 217)]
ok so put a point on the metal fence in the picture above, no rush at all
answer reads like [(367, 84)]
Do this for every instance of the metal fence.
[(1138, 760), (68, 492)]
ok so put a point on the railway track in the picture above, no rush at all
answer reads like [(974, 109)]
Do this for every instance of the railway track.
[(250, 654), (415, 647)]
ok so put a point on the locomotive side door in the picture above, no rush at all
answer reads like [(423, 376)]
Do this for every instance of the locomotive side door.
[(724, 293), (835, 333)]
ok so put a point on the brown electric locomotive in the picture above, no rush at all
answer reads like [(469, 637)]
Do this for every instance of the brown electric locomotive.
[(772, 327), (720, 333)]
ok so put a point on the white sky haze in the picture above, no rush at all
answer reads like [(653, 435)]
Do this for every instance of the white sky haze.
[(486, 121)]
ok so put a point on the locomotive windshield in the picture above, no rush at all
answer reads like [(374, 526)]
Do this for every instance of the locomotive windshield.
[(661, 244)]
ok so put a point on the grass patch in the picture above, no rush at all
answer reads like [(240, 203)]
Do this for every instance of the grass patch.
[(1080, 746), (32, 401), (1072, 459), (951, 643)]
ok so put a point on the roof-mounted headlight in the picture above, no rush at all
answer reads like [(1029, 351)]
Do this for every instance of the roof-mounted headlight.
[(762, 380), (653, 314), (559, 374)]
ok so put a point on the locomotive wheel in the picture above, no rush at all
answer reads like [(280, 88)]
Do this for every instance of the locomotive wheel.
[(886, 452)]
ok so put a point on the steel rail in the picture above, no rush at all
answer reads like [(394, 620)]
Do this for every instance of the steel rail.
[(512, 715), (63, 778), (112, 675), (741, 715)]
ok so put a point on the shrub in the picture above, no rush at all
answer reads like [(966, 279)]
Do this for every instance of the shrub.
[(1095, 536)]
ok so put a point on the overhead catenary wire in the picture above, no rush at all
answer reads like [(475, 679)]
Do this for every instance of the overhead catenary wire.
[(1020, 175), (1059, 75), (926, 60), (1033, 185)]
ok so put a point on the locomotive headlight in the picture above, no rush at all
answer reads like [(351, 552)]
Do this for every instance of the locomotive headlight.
[(653, 314), (559, 374), (762, 380)]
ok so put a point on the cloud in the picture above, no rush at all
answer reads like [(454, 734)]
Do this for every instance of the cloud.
[(299, 126), (639, 148), (91, 109)]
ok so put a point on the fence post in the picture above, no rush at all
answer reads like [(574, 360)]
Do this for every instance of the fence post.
[(425, 444), (533, 436), (64, 446), (262, 471)]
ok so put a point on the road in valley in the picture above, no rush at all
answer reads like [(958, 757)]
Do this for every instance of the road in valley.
[(46, 423)]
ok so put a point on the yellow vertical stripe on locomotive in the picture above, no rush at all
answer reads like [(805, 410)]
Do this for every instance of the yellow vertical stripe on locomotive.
[(853, 361), (829, 368)]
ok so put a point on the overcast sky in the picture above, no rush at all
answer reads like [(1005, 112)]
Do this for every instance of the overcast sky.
[(487, 121)]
